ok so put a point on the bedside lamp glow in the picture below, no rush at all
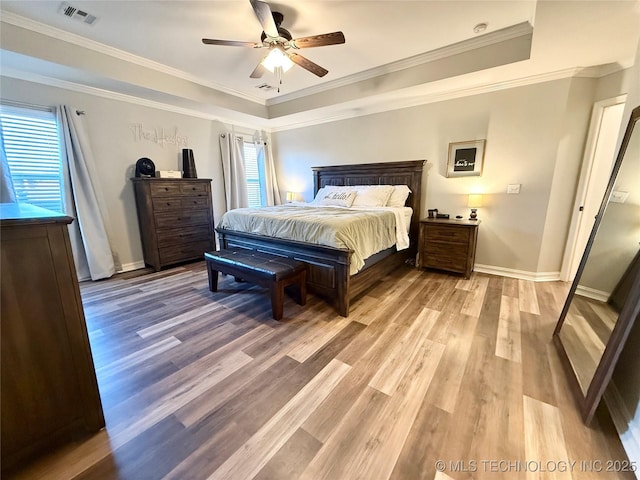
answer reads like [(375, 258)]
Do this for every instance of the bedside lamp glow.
[(291, 196), (475, 202)]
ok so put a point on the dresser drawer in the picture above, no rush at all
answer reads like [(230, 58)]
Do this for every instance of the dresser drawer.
[(444, 233), (183, 235), (162, 204), (182, 252), (439, 249), (193, 188), (182, 218), (193, 202), (159, 189)]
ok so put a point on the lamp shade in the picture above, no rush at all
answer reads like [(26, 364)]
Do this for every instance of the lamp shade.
[(291, 196), (475, 200), (277, 58)]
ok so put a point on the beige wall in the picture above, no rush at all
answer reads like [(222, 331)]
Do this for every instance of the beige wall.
[(534, 134), (116, 152)]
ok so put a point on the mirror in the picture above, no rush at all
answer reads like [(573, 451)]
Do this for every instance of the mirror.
[(604, 299)]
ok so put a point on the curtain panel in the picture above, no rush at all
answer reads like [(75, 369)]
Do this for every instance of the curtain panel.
[(89, 236), (235, 180)]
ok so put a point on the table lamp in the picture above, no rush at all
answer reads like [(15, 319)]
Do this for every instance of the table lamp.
[(475, 202)]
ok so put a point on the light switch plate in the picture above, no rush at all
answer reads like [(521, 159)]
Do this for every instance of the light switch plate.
[(513, 188)]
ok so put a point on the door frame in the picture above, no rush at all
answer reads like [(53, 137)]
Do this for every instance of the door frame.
[(572, 256)]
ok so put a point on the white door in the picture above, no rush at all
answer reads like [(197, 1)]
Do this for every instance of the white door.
[(599, 157)]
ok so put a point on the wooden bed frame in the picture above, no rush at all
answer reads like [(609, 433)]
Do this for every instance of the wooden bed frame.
[(328, 267)]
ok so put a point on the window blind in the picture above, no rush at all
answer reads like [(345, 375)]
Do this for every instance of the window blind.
[(32, 146), (252, 172)]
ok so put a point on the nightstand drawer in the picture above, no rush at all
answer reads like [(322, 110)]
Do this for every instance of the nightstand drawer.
[(444, 233), (455, 264)]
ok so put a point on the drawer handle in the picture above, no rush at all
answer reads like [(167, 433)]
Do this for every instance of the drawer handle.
[(166, 189), (168, 204), (193, 188)]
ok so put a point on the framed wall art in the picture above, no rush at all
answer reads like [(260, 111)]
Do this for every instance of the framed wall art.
[(465, 159)]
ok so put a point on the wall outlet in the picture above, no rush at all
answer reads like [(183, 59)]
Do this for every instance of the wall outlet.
[(513, 188)]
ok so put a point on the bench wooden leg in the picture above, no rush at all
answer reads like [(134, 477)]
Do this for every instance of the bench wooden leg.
[(213, 277), (277, 299)]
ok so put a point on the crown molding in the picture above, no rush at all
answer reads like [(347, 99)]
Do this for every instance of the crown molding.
[(491, 38), (41, 28), (348, 112), (122, 97), (433, 97)]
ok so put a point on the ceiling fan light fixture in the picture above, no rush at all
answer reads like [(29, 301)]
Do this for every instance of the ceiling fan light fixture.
[(277, 58)]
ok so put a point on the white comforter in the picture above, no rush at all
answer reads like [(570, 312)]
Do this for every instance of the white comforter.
[(364, 230)]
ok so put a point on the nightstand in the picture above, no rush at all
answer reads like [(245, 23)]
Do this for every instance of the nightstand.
[(448, 245)]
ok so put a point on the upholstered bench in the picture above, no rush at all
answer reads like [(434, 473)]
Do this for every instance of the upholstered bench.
[(262, 269)]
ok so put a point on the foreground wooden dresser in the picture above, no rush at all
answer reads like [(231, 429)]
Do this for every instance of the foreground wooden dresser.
[(448, 245), (175, 218), (48, 381)]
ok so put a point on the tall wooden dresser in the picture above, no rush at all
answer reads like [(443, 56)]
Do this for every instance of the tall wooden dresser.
[(48, 381), (175, 218)]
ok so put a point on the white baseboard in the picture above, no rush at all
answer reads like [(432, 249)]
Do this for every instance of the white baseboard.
[(127, 267), (624, 423), (592, 293), (520, 274)]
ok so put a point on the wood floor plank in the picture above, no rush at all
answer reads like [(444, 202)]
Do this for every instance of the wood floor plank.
[(374, 453), (527, 297), (293, 457), (448, 381), (508, 341), (211, 389), (262, 446), (472, 305), (392, 371), (544, 438)]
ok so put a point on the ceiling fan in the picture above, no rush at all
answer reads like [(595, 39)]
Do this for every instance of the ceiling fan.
[(281, 43)]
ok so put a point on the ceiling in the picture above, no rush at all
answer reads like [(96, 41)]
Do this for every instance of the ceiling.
[(397, 53)]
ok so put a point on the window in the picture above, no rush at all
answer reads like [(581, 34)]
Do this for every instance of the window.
[(254, 171), (32, 146)]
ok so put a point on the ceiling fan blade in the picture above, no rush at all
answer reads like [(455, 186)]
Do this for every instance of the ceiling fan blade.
[(231, 43), (307, 64), (333, 38), (263, 12), (259, 70)]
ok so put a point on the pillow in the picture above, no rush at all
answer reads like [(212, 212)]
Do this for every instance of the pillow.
[(399, 196), (342, 197), (373, 195)]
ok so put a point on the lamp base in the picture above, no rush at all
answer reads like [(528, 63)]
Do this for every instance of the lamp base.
[(474, 214)]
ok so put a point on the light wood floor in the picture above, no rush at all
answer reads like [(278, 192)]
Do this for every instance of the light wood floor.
[(428, 367)]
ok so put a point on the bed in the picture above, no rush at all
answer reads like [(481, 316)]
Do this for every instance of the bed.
[(328, 267)]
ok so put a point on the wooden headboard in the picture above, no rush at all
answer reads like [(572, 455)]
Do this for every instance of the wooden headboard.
[(389, 173)]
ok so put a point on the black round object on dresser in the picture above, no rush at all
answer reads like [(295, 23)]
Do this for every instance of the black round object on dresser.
[(188, 164), (145, 167)]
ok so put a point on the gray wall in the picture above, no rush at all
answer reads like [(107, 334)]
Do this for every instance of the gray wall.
[(535, 137)]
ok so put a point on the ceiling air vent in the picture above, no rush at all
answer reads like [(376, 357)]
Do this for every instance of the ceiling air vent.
[(264, 86), (77, 14)]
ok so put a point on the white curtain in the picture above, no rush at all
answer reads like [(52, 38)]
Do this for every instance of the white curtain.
[(7, 192), (235, 180), (270, 182), (89, 237)]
